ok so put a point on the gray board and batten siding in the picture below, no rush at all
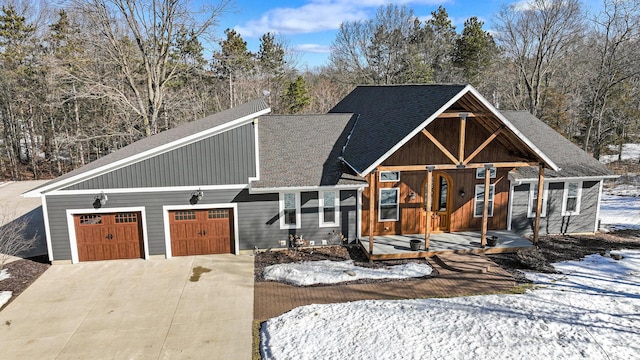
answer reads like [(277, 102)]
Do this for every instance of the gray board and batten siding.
[(554, 222), (222, 159), (257, 216)]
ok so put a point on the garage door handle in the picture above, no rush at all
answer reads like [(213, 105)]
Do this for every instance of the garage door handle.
[(202, 232), (109, 236)]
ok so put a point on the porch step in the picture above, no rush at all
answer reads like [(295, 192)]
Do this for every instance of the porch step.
[(468, 263)]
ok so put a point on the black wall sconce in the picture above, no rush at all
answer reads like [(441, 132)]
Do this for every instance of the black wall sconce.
[(99, 200), (412, 195), (462, 192), (196, 196)]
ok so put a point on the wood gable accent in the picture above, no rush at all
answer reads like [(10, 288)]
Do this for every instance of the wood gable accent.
[(446, 173)]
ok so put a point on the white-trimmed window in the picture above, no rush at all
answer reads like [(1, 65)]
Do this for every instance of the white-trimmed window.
[(329, 207), (571, 198), (388, 207), (533, 200), (389, 176), (478, 205), (290, 210), (480, 173)]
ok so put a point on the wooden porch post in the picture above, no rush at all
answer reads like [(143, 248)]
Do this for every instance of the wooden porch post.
[(372, 205), (485, 208), (428, 205), (536, 222)]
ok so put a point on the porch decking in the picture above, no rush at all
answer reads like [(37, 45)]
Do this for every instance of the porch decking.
[(398, 246)]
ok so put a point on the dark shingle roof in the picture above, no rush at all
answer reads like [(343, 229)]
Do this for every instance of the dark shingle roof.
[(303, 150), (573, 161), (387, 115), (167, 137)]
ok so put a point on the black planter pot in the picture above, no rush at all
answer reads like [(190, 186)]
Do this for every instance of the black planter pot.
[(415, 245), (492, 240)]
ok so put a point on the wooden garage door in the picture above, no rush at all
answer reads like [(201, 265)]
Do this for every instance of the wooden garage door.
[(109, 236), (199, 232)]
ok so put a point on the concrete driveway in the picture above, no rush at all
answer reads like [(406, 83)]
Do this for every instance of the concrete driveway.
[(134, 309)]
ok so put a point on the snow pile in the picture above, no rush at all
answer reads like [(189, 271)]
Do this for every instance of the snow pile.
[(4, 295), (4, 274), (620, 212), (331, 272), (590, 312), (629, 152)]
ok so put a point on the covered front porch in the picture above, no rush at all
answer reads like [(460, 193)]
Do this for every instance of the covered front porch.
[(387, 247)]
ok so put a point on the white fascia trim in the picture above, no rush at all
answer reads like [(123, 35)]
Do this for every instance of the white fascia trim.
[(416, 131), (563, 179), (167, 229), (283, 225), (595, 226), (511, 127), (72, 228), (359, 214), (253, 190), (47, 228), (148, 190), (336, 209), (149, 153), (510, 206), (257, 150)]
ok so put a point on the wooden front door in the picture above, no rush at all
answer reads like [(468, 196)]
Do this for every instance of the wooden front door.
[(109, 236), (199, 232), (441, 202)]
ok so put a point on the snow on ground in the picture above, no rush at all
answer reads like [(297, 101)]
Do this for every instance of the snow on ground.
[(4, 274), (592, 311), (331, 272), (4, 297), (629, 152), (620, 207)]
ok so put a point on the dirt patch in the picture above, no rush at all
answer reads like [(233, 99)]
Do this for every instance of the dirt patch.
[(23, 273), (333, 253), (557, 248)]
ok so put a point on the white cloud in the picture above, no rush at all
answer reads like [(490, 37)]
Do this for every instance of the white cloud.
[(313, 48), (315, 16)]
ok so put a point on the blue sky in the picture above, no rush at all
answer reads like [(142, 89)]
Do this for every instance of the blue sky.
[(310, 26)]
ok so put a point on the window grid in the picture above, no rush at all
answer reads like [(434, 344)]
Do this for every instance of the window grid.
[(93, 219), (388, 204), (126, 218), (218, 214), (479, 200), (185, 215)]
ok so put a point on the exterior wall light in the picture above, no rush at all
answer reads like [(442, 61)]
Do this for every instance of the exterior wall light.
[(196, 196), (99, 200)]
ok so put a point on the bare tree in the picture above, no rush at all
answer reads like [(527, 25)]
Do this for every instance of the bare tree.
[(536, 36), (13, 235), (155, 29)]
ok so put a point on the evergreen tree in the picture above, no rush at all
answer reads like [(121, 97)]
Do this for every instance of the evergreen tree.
[(271, 61), (296, 96), (232, 61), (474, 50)]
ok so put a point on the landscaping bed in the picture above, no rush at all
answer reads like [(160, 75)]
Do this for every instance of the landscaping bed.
[(23, 273)]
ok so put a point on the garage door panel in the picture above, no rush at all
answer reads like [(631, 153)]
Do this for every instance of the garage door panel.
[(199, 232), (109, 236)]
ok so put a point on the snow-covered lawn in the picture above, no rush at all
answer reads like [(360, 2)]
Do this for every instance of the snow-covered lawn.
[(4, 295), (591, 311), (629, 152), (332, 272), (620, 207)]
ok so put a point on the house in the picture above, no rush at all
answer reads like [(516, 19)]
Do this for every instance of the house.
[(242, 179)]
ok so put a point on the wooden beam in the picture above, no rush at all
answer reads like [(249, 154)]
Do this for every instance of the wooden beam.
[(485, 208), (536, 221), (463, 125), (483, 145), (440, 146), (372, 206), (428, 205), (456, 114), (509, 164)]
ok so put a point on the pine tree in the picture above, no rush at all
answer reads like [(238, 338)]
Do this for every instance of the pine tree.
[(474, 50), (296, 96), (232, 61)]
